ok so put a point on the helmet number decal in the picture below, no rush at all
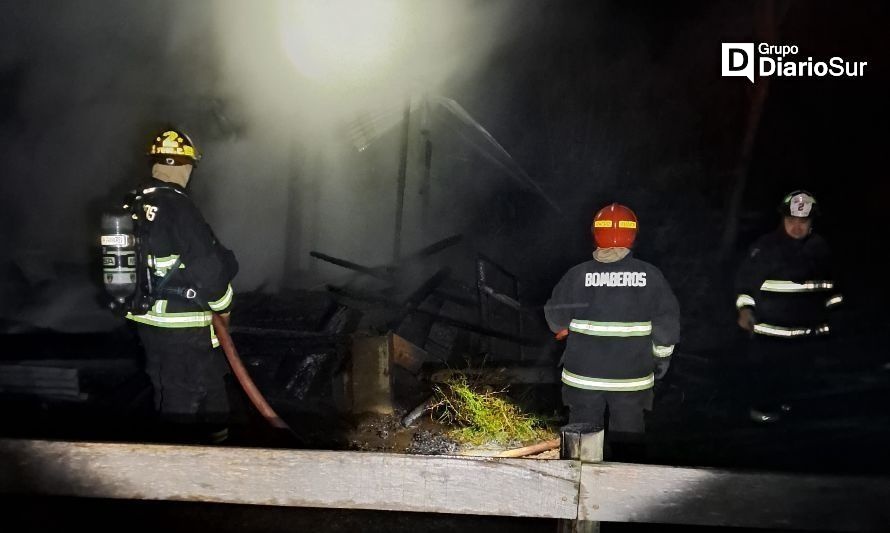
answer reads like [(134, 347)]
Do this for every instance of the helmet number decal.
[(801, 205), (171, 139), (150, 212)]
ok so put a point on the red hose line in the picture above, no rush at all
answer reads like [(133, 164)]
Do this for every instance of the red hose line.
[(250, 388)]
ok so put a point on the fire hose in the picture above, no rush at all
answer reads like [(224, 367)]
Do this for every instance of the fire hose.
[(244, 379)]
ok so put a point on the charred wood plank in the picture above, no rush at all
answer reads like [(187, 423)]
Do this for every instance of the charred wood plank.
[(304, 375), (364, 296), (370, 271), (408, 355), (39, 380), (286, 333), (384, 272), (502, 375), (90, 365), (31, 381), (456, 298), (37, 372), (359, 295), (420, 294), (523, 341), (46, 392), (502, 298), (426, 288), (497, 266), (434, 248)]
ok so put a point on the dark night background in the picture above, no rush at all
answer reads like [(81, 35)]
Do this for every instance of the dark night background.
[(597, 101)]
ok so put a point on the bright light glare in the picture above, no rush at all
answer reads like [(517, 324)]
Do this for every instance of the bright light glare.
[(341, 41)]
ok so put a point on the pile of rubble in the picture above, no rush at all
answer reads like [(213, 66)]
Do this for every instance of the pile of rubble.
[(378, 342)]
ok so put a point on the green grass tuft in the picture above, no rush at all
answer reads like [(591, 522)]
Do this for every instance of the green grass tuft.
[(484, 416)]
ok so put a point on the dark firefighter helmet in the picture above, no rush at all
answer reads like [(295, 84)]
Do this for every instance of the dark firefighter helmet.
[(174, 147), (800, 204)]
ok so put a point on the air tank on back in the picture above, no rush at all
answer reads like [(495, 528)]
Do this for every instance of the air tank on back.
[(118, 242)]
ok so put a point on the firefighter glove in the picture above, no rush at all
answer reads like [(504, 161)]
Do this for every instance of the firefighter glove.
[(746, 319)]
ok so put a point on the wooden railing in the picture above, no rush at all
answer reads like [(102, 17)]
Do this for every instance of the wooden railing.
[(564, 489)]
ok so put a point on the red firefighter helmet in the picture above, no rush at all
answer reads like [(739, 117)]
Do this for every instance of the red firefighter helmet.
[(614, 226)]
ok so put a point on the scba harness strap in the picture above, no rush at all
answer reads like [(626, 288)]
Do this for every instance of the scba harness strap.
[(161, 289)]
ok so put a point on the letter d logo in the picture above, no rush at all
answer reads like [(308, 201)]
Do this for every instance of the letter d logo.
[(738, 60)]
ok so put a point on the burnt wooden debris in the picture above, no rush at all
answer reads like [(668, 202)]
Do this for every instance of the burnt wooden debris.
[(379, 342), (417, 317), (293, 343), (502, 375), (58, 368), (460, 324), (41, 380), (421, 318), (438, 286), (371, 344)]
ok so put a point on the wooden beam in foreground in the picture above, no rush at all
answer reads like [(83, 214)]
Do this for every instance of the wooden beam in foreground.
[(350, 480), (609, 492), (617, 492)]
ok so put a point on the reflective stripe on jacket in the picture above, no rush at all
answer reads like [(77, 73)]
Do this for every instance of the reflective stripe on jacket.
[(789, 284), (177, 234), (622, 317)]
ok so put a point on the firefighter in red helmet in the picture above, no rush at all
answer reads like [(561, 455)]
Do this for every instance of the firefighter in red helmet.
[(785, 296), (621, 320)]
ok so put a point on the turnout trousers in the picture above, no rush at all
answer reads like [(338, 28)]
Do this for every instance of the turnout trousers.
[(778, 369), (187, 373), (625, 409)]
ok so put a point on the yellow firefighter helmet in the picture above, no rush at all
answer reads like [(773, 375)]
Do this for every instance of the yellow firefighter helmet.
[(174, 147)]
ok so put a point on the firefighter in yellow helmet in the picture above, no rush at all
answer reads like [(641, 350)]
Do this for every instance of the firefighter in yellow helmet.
[(191, 274)]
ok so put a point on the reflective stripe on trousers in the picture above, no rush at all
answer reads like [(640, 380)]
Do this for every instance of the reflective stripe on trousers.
[(587, 383)]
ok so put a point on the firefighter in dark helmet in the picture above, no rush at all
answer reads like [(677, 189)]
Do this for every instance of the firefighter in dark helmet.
[(191, 274), (785, 294), (621, 321)]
